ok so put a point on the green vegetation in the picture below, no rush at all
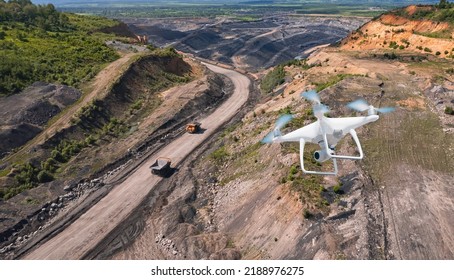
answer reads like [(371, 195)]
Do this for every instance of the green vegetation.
[(276, 76), (273, 79), (331, 81), (390, 55), (88, 113), (301, 63), (338, 189), (37, 43), (29, 176), (92, 125), (393, 45), (43, 16), (219, 155), (166, 52), (307, 186), (449, 110)]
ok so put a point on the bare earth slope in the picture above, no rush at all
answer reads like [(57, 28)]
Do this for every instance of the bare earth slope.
[(24, 115), (395, 204), (97, 222), (391, 31)]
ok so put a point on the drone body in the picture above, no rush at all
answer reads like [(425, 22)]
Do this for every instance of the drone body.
[(326, 132)]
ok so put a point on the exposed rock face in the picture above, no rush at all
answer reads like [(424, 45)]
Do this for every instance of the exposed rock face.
[(392, 32), (22, 116)]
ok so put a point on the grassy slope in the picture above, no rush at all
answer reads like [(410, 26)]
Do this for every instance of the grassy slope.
[(70, 56)]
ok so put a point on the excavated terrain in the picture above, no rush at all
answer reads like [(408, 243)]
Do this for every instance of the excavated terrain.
[(234, 198), (22, 116), (395, 33), (154, 126), (246, 45), (395, 204)]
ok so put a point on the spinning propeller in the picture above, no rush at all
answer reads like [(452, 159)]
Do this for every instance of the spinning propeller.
[(313, 96), (280, 123), (361, 105)]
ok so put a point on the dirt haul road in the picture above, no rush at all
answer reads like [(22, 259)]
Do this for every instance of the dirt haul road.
[(90, 228)]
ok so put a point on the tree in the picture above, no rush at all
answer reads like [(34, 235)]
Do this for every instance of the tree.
[(443, 4), (44, 176)]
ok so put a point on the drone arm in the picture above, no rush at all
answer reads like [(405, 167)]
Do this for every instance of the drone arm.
[(358, 144), (302, 144)]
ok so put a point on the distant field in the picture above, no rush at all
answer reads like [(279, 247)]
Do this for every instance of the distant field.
[(246, 9)]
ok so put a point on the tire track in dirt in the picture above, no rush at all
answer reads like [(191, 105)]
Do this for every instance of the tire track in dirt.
[(84, 234)]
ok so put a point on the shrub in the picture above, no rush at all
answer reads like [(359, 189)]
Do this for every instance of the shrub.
[(449, 110), (90, 140), (50, 165), (337, 189), (390, 56), (393, 45), (274, 78), (44, 176), (307, 214), (57, 155), (220, 154), (293, 170)]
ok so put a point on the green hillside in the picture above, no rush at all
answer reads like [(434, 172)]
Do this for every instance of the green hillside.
[(38, 43)]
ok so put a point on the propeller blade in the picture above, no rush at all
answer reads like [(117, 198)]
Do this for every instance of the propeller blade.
[(311, 95), (268, 138), (386, 110), (320, 108), (282, 121), (358, 105)]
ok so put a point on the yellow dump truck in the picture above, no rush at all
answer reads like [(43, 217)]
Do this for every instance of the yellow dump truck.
[(193, 127)]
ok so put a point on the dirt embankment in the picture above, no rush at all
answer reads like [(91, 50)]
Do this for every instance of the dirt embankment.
[(23, 116), (243, 199), (160, 115), (391, 32)]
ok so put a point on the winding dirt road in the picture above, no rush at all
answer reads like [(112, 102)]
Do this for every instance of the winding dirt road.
[(90, 228)]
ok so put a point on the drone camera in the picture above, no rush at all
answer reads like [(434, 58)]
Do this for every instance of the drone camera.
[(321, 156)]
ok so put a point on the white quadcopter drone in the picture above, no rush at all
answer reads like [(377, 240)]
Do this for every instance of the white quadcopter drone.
[(326, 132)]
